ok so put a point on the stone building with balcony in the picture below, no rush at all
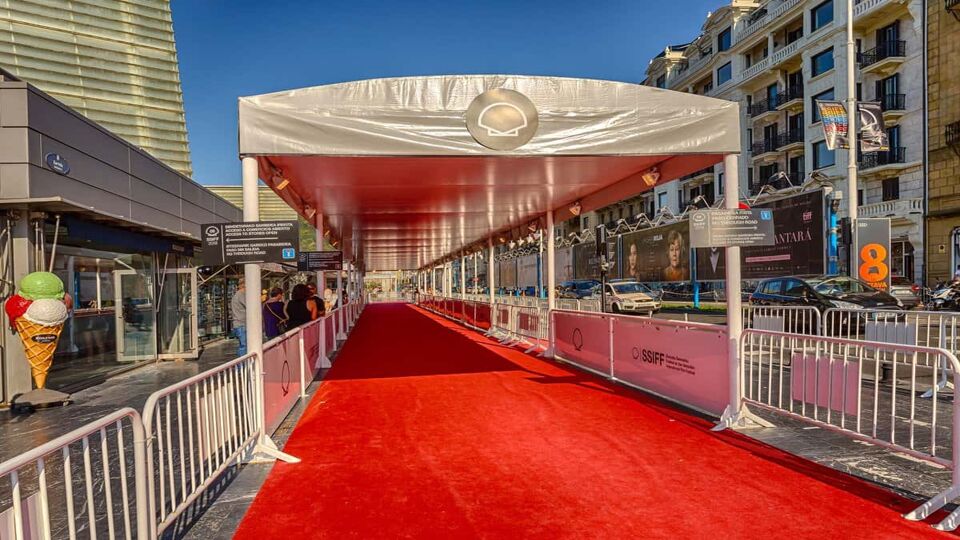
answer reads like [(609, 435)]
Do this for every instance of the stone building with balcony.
[(943, 158), (777, 58)]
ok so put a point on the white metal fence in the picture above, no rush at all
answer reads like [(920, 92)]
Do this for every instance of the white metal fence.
[(127, 476), (87, 483)]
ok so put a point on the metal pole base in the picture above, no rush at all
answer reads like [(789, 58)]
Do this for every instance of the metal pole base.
[(323, 362), (742, 419), (937, 502), (266, 451)]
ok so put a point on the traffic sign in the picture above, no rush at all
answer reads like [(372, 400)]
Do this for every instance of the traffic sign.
[(732, 227), (320, 261), (250, 242)]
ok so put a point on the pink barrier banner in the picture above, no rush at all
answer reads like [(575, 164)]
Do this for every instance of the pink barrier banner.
[(311, 348), (468, 313), (458, 310), (483, 316), (329, 335), (680, 362), (824, 383), (583, 339), (503, 317), (281, 381)]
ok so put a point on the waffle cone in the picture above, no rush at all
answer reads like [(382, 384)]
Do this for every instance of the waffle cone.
[(39, 342)]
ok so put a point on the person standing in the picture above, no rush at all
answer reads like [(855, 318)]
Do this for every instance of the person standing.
[(321, 307), (274, 314), (300, 309), (238, 311)]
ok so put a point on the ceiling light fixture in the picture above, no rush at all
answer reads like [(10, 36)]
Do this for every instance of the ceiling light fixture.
[(576, 208), (651, 176), (283, 183)]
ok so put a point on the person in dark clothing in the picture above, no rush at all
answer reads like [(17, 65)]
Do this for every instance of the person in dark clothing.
[(274, 314), (301, 309)]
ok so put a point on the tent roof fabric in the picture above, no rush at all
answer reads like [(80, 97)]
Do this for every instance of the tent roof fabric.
[(392, 169), (424, 116)]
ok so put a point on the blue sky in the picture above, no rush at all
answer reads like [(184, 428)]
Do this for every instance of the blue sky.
[(232, 48)]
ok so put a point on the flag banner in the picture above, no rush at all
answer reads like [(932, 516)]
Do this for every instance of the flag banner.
[(873, 136), (836, 126)]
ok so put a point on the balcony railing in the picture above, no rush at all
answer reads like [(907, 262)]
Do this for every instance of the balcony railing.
[(879, 159), (893, 102), (896, 208), (952, 133), (763, 106), (790, 94), (763, 146), (789, 137), (886, 49)]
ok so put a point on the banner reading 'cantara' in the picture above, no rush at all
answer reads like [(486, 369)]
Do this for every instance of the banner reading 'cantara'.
[(799, 229)]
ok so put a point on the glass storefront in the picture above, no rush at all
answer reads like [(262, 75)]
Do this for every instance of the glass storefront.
[(113, 319)]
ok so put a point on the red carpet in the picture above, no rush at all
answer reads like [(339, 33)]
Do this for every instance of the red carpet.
[(426, 430)]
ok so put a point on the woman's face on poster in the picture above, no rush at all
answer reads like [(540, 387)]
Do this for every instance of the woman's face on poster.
[(632, 259), (675, 252)]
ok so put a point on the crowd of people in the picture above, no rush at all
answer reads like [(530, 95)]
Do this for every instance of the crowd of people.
[(279, 313)]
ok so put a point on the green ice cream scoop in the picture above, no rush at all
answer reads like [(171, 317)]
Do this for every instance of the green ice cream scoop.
[(41, 285)]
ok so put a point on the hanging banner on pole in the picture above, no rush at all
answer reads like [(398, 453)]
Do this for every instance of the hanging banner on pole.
[(873, 136), (872, 241), (836, 125)]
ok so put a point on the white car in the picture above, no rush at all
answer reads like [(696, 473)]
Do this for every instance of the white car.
[(631, 297)]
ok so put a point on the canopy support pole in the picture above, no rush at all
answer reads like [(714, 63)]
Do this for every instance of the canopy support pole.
[(463, 277), (265, 449), (735, 414), (491, 279), (551, 280)]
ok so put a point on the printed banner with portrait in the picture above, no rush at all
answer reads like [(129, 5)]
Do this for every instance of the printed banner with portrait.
[(658, 254), (799, 228), (507, 270), (585, 263), (563, 265), (527, 271)]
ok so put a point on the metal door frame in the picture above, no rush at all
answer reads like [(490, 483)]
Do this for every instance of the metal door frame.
[(120, 322), (194, 349)]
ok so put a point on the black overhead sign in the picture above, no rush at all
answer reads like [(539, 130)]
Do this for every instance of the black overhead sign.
[(250, 242), (733, 227), (319, 261)]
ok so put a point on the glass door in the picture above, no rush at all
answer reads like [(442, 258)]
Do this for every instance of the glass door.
[(135, 316), (178, 315)]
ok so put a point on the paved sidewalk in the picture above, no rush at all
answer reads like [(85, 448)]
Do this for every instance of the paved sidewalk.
[(21, 432)]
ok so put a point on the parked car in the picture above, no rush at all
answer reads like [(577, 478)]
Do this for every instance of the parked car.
[(822, 292), (630, 297), (578, 288), (906, 291), (825, 292)]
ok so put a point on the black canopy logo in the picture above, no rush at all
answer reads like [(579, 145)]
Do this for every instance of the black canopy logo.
[(636, 353), (577, 339)]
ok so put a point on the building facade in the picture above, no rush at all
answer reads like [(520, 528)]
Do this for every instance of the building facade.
[(114, 61), (776, 58), (943, 74)]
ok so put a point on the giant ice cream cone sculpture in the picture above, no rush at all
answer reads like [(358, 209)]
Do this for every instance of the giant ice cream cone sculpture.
[(37, 312)]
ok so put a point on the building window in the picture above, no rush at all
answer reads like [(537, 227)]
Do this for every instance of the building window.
[(707, 87), (822, 96), (723, 40), (724, 73), (720, 184), (822, 62), (586, 221), (859, 197), (662, 81), (891, 189), (661, 200), (822, 156), (821, 15)]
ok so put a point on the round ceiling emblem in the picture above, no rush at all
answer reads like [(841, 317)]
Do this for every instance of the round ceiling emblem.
[(502, 119)]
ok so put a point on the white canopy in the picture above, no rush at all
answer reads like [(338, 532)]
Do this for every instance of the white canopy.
[(393, 169)]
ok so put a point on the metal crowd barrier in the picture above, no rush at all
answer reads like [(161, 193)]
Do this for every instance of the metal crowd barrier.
[(189, 434), (865, 390), (89, 478), (793, 319)]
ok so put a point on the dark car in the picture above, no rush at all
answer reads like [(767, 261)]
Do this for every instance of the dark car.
[(822, 292), (578, 288), (906, 291)]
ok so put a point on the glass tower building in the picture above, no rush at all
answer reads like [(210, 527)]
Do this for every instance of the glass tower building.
[(114, 61)]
